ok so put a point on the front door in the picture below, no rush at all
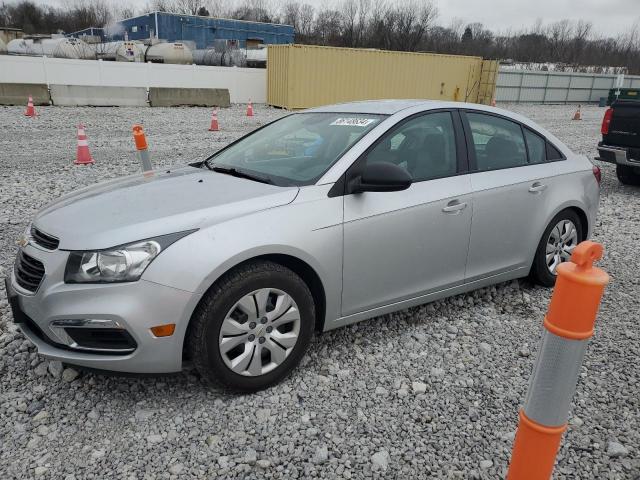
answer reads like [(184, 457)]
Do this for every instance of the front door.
[(399, 245)]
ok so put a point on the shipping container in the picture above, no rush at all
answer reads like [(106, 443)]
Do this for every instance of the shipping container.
[(303, 76)]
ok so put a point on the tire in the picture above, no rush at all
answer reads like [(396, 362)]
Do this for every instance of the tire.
[(233, 302), (627, 175), (541, 272)]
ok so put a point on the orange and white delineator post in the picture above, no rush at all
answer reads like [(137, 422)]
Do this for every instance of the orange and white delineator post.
[(569, 324), (141, 146)]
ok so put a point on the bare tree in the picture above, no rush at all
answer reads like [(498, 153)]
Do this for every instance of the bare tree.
[(387, 24), (307, 15)]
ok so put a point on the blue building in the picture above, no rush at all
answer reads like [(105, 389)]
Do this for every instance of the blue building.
[(203, 30)]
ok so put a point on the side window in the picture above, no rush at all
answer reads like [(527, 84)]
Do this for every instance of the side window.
[(498, 142), (553, 153), (537, 147), (425, 146)]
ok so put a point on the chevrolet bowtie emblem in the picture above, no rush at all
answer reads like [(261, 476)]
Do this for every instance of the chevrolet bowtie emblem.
[(23, 241)]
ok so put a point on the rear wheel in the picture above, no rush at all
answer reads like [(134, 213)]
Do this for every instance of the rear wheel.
[(560, 237), (628, 175), (252, 327)]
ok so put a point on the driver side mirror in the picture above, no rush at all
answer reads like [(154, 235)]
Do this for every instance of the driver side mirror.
[(381, 177)]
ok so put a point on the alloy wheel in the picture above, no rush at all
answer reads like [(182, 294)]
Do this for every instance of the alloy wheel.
[(560, 244), (259, 332)]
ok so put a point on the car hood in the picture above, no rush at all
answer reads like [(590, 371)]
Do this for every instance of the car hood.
[(138, 206)]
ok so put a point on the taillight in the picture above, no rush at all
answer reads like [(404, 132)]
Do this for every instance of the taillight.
[(606, 121), (597, 173)]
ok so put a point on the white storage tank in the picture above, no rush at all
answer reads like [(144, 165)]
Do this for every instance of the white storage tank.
[(177, 53), (234, 58), (59, 47), (130, 51), (207, 56), (257, 57), (107, 50)]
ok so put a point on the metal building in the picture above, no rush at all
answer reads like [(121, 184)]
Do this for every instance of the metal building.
[(204, 30)]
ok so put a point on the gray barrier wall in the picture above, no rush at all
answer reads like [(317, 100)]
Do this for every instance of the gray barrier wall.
[(82, 95), (18, 93), (205, 97), (521, 86)]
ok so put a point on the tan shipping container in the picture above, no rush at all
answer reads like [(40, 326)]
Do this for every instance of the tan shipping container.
[(303, 76)]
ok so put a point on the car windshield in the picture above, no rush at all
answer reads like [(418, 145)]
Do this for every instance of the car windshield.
[(295, 150)]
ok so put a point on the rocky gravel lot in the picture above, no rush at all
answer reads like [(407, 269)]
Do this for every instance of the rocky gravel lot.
[(431, 392)]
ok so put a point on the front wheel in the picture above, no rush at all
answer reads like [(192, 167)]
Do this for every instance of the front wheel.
[(252, 327), (628, 175), (560, 237)]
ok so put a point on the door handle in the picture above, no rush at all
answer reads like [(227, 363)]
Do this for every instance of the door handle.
[(537, 187), (454, 207)]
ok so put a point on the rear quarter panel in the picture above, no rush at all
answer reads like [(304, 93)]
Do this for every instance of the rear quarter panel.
[(579, 188)]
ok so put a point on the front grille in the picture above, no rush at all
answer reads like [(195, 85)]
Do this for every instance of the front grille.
[(43, 239), (28, 271)]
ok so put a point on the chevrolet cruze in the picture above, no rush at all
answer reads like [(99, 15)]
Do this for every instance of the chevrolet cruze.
[(318, 220)]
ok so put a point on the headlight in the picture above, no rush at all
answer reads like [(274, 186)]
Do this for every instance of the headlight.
[(125, 263)]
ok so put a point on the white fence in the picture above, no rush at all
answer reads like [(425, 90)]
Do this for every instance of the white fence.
[(244, 84), (556, 87)]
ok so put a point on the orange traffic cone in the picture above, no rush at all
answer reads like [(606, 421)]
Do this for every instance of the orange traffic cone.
[(83, 156), (577, 115), (250, 109), (214, 121), (31, 111)]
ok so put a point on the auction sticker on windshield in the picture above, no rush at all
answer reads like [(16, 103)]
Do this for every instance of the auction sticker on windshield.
[(353, 122)]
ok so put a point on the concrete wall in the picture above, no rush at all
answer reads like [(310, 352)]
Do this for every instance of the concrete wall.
[(526, 86), (74, 95), (173, 97), (18, 93), (244, 84)]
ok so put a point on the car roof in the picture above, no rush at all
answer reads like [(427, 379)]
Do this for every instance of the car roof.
[(387, 107)]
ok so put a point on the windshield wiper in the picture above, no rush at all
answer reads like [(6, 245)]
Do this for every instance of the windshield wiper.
[(240, 173)]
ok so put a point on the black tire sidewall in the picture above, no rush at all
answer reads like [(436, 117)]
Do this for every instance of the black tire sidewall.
[(540, 271), (286, 281)]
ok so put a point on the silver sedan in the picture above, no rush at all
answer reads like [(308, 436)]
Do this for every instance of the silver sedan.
[(318, 220)]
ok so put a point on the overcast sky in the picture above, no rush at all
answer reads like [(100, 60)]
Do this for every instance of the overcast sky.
[(609, 17)]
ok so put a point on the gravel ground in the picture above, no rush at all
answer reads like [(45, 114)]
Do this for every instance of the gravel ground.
[(427, 392)]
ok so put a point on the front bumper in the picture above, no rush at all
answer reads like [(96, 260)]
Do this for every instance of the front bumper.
[(134, 307), (618, 156)]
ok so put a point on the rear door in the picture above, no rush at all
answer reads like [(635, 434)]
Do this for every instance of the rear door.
[(512, 185), (399, 245)]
